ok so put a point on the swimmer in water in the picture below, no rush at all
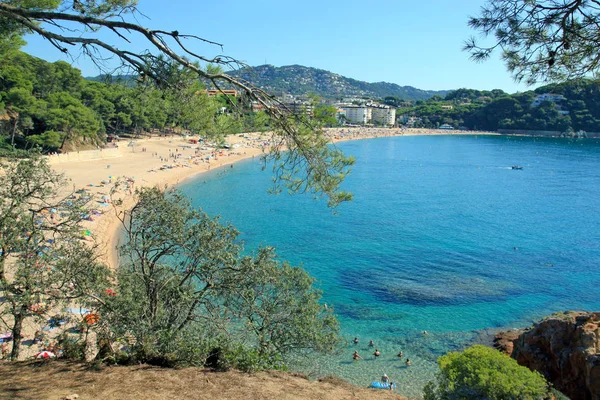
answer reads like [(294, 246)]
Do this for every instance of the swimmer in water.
[(355, 356), (355, 340), (377, 353), (371, 343)]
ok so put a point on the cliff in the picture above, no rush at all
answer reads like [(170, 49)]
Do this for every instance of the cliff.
[(564, 348)]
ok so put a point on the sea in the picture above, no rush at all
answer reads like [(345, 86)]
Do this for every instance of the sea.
[(442, 237)]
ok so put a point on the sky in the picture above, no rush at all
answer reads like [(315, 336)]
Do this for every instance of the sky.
[(415, 43)]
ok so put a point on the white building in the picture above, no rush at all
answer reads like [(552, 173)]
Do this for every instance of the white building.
[(358, 114), (384, 115), (554, 98)]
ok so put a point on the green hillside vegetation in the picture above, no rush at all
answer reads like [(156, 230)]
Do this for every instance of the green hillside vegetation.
[(493, 110), (300, 80), (51, 105)]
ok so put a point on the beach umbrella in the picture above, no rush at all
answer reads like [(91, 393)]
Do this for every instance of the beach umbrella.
[(45, 354), (91, 319)]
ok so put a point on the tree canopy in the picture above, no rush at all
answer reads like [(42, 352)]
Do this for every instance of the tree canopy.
[(185, 291), (310, 164), (579, 109), (481, 372), (548, 40), (43, 263)]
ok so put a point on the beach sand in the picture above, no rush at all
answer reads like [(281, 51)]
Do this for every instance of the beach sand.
[(142, 163), (144, 168)]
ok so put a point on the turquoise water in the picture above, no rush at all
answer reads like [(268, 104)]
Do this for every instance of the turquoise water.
[(442, 236)]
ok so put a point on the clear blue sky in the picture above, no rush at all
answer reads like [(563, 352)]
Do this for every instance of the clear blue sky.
[(416, 43)]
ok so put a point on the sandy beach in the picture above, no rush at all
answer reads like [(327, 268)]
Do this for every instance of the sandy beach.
[(161, 161), (167, 161)]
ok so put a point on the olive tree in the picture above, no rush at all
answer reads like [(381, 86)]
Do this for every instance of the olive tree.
[(183, 284), (43, 262)]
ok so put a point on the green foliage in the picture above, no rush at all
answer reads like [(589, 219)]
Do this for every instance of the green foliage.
[(481, 372), (44, 100), (324, 114), (492, 110), (542, 40), (185, 294), (42, 258)]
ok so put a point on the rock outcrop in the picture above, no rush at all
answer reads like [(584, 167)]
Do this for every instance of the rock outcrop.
[(564, 348)]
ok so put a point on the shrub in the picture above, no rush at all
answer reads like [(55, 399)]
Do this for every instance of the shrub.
[(481, 372)]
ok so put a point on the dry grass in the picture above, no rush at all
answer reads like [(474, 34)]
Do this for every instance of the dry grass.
[(55, 380)]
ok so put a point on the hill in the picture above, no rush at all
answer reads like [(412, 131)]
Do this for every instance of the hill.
[(575, 106), (57, 380), (298, 80)]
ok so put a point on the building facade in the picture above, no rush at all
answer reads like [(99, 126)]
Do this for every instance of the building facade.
[(384, 115), (358, 114)]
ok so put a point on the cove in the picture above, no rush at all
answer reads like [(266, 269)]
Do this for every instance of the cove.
[(442, 236)]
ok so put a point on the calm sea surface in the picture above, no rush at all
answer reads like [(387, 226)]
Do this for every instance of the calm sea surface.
[(442, 236)]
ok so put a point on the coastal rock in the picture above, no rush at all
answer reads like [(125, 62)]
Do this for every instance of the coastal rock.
[(505, 341), (564, 348)]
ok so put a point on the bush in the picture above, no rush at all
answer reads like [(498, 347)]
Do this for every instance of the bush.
[(72, 348), (481, 372)]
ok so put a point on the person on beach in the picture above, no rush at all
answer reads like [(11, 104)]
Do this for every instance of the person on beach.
[(355, 356), (355, 340), (371, 343), (377, 353)]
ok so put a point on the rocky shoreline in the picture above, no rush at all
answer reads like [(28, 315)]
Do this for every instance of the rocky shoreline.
[(564, 348)]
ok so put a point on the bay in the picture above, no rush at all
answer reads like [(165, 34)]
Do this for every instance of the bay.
[(442, 236)]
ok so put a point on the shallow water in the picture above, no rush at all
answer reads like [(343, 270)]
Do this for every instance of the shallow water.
[(442, 236)]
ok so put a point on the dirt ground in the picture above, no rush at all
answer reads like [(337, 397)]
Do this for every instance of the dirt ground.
[(56, 380)]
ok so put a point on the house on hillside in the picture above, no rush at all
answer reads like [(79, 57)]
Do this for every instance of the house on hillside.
[(553, 98)]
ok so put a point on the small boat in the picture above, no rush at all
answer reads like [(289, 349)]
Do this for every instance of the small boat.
[(517, 167)]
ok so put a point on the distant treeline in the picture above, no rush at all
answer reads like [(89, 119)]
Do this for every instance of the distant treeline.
[(51, 104), (496, 109)]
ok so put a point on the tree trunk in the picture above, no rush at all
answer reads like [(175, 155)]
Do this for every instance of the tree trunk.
[(16, 332), (62, 145), (14, 131)]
